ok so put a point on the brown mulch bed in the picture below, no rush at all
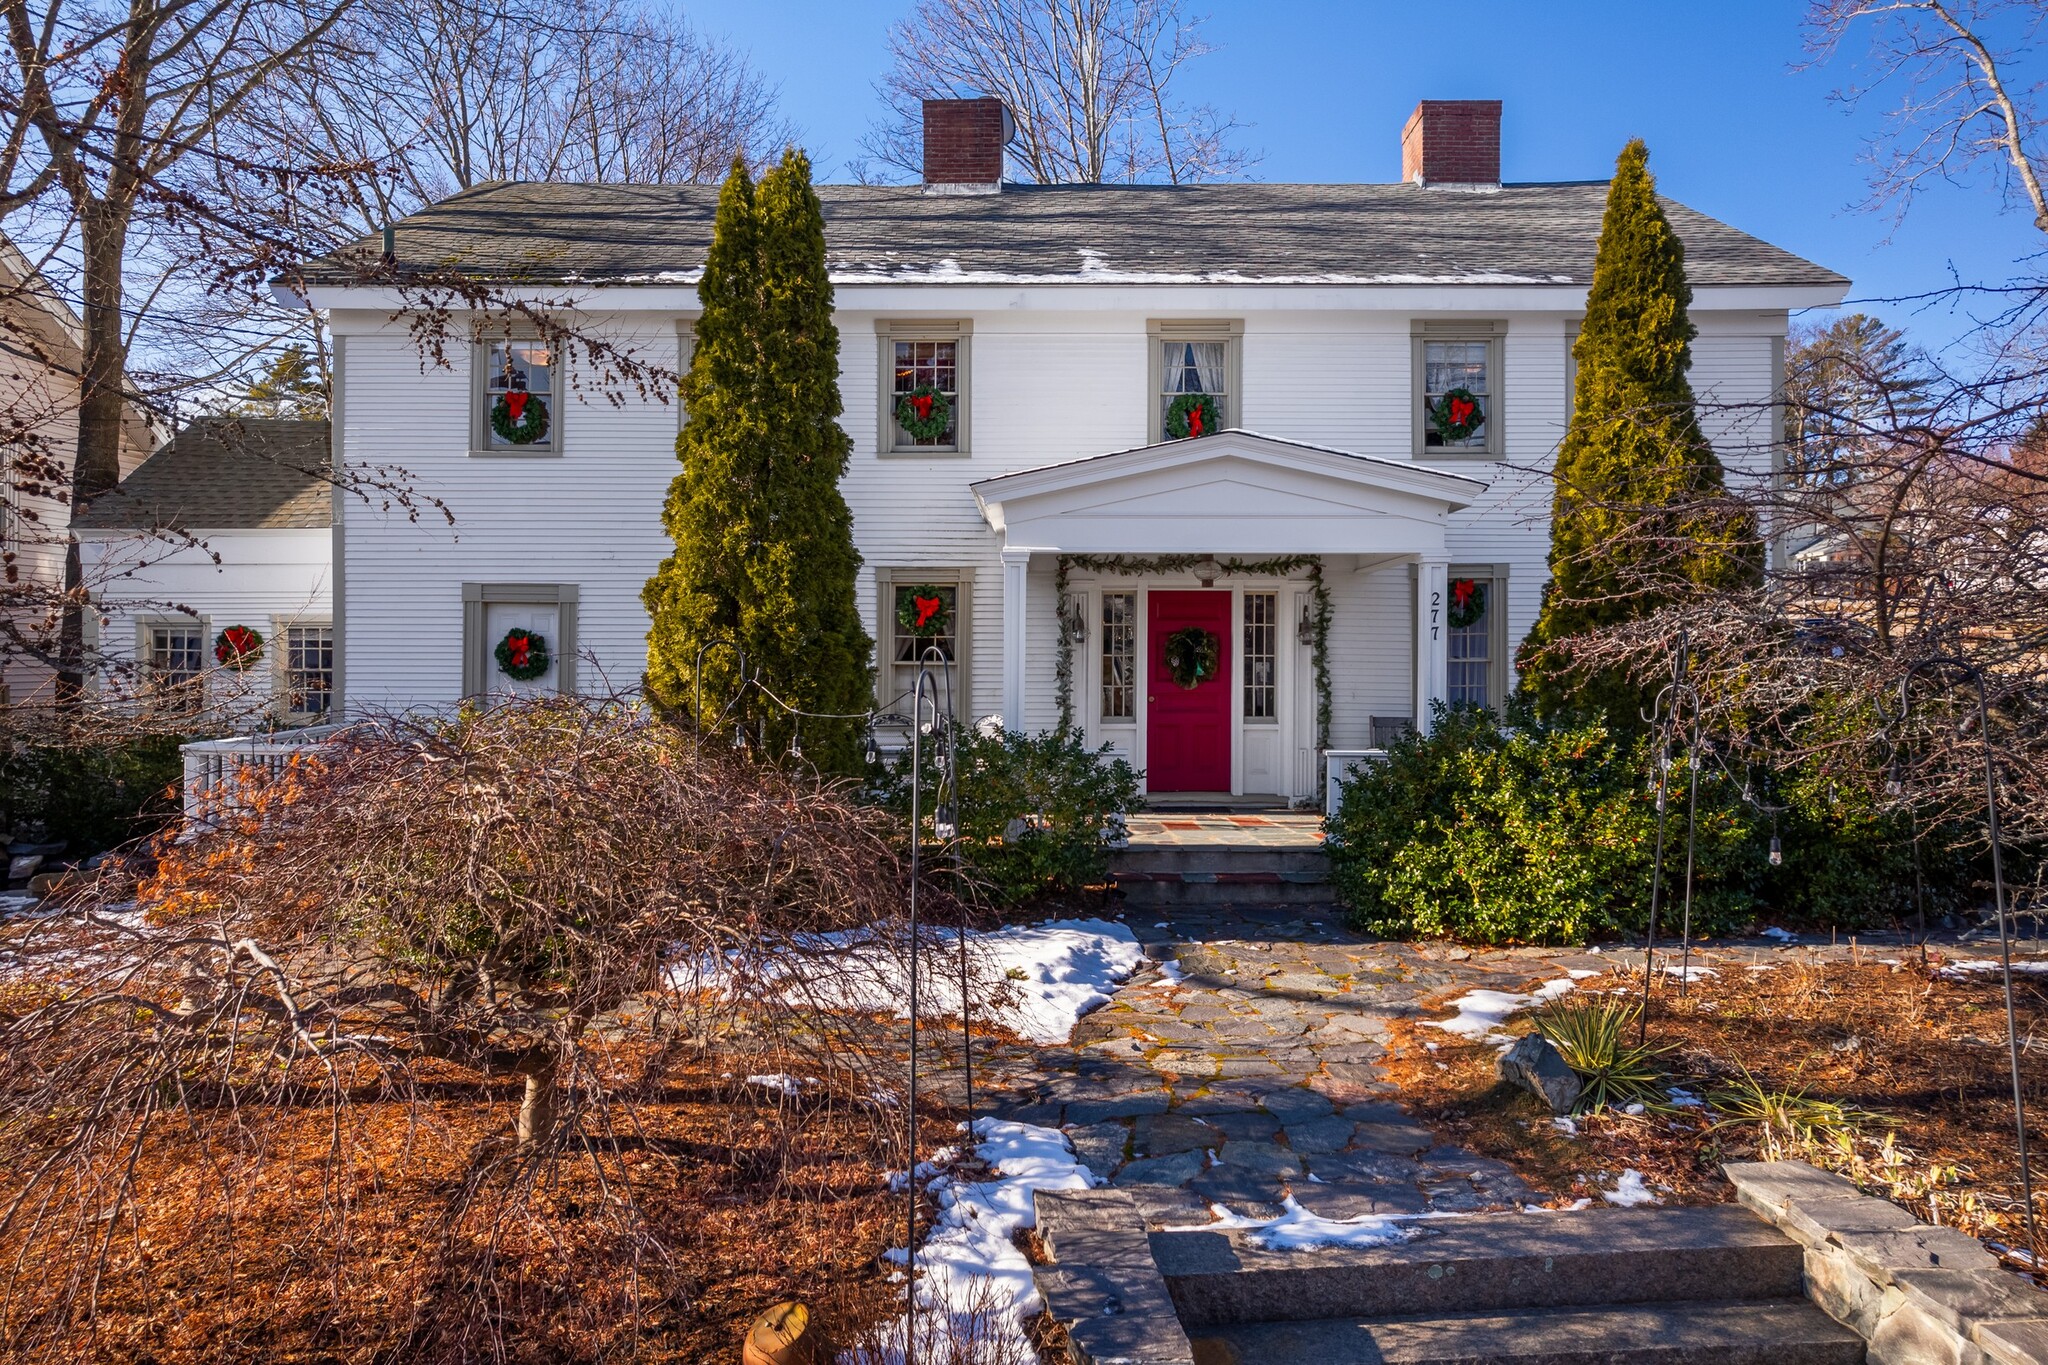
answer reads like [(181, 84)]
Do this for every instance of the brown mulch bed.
[(1924, 1054), (234, 1250)]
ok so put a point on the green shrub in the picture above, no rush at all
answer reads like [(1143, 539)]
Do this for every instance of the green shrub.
[(95, 796), (1031, 808)]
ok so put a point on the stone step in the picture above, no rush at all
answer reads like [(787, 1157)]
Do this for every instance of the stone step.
[(1747, 1332), (1164, 894), (1141, 861), (1485, 1265)]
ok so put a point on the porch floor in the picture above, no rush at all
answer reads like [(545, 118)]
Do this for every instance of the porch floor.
[(1271, 829)]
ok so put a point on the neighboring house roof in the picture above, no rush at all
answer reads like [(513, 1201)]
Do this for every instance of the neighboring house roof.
[(1075, 234), (226, 473)]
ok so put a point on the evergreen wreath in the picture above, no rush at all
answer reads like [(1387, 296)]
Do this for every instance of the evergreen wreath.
[(238, 647), (921, 611), (1192, 655), (519, 417), (523, 655), (1468, 602), (1457, 415), (925, 413), (1192, 414)]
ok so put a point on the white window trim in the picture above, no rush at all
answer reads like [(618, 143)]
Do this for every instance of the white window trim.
[(889, 331), (280, 669), (1095, 674), (565, 597), (145, 658), (1229, 331), (1500, 667), (1494, 334), (960, 578), (480, 446)]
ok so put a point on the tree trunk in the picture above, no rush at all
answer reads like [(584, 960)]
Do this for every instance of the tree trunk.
[(537, 1108), (96, 466)]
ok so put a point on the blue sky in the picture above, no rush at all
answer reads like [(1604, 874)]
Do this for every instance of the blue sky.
[(1734, 128)]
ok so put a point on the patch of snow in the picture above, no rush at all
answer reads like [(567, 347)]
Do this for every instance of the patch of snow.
[(1481, 1013), (776, 1080), (1581, 973), (968, 1263), (1955, 971), (1038, 979), (1299, 1230), (1568, 1126), (1782, 935), (1688, 973), (1630, 1191), (1685, 1099), (1637, 1108)]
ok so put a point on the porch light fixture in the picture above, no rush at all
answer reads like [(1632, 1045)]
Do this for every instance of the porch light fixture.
[(1306, 626), (1206, 571), (1073, 620)]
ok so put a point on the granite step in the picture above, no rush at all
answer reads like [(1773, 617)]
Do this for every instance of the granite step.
[(1484, 1265), (1223, 891), (1744, 1332), (1157, 860)]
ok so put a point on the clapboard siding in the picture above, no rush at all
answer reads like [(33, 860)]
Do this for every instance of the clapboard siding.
[(1044, 387)]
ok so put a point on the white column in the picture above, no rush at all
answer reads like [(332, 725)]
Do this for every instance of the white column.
[(1016, 565), (1432, 643)]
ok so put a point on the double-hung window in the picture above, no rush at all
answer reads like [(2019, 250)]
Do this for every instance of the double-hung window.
[(307, 661), (518, 411), (1457, 389), (1193, 361), (1476, 636), (923, 398), (924, 625), (174, 653)]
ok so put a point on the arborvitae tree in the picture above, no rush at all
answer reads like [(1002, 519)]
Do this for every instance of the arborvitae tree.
[(764, 541), (1638, 519)]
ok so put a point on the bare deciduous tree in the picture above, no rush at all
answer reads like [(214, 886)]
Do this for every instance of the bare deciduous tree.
[(1094, 87)]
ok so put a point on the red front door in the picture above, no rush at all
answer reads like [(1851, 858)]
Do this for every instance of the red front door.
[(1187, 729)]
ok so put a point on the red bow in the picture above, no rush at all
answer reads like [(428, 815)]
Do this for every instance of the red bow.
[(1195, 421), (922, 406), (515, 403), (927, 608), (520, 648), (1461, 592), (1461, 411)]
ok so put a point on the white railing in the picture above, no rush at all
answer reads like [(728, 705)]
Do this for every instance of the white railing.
[(1339, 767), (214, 768)]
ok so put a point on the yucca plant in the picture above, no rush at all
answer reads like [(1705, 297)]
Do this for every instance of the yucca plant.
[(1788, 1122), (1592, 1033)]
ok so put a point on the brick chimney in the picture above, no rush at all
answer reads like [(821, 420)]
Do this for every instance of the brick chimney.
[(1446, 142), (963, 145)]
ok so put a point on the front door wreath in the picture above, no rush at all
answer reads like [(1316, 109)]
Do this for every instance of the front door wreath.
[(1192, 655)]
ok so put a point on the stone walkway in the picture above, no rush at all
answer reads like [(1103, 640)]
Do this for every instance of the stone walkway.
[(1164, 829), (1257, 1073)]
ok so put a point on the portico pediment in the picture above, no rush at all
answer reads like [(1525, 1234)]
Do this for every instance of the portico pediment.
[(1236, 492)]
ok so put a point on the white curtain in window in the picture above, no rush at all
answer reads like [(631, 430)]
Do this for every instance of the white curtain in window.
[(1194, 367)]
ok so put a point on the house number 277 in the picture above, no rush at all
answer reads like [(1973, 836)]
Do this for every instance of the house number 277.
[(1436, 606)]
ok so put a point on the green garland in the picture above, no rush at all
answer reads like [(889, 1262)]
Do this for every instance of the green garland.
[(937, 417), (1130, 566)]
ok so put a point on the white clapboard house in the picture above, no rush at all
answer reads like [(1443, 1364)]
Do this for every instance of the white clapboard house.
[(1186, 428)]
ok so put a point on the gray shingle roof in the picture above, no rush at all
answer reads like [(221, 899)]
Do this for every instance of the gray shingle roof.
[(1080, 234), (225, 473)]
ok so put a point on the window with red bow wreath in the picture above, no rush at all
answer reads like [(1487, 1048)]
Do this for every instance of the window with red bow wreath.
[(1468, 602), (523, 655), (1192, 656), (921, 611), (519, 417), (1192, 414), (925, 413), (1457, 416), (237, 647)]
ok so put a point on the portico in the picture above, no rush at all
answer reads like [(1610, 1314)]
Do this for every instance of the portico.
[(1226, 537)]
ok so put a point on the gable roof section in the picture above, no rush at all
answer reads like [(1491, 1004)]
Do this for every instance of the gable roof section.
[(1236, 492), (1075, 234), (226, 473)]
